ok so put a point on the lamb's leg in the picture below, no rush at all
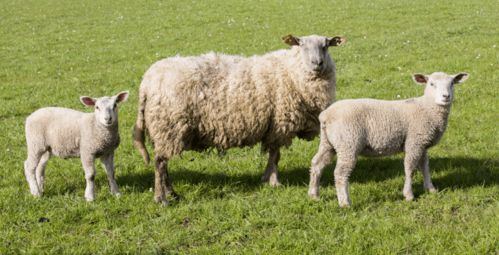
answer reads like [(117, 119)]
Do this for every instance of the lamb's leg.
[(270, 173), (40, 170), (344, 167), (108, 162), (424, 165), (89, 168), (320, 160), (163, 182), (411, 161), (29, 171)]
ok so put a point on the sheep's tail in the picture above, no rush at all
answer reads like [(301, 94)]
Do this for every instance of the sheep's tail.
[(139, 129)]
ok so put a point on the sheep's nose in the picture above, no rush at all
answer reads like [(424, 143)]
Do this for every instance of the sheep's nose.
[(446, 96), (318, 62)]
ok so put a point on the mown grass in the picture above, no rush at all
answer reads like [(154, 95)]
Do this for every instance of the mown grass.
[(54, 51)]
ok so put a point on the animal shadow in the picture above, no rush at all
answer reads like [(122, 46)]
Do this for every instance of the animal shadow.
[(447, 172)]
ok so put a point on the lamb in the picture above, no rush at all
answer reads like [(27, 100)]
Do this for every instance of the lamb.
[(67, 133), (379, 128), (224, 101)]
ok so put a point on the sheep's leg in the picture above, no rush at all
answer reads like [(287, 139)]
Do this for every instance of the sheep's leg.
[(411, 161), (270, 173), (108, 162), (344, 167), (320, 160), (425, 169), (162, 182), (29, 171), (89, 168), (40, 170)]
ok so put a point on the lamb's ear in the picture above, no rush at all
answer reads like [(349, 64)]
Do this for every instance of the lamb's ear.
[(291, 40), (420, 79), (460, 78), (88, 101), (122, 96), (336, 41)]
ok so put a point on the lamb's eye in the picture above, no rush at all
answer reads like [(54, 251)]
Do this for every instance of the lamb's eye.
[(114, 106), (97, 107), (432, 84)]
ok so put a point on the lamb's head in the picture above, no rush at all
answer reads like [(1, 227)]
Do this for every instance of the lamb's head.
[(440, 86), (105, 108), (313, 50)]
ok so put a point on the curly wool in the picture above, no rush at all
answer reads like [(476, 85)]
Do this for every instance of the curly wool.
[(223, 101)]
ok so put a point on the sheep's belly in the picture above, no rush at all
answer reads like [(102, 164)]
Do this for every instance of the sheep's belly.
[(65, 153), (372, 151)]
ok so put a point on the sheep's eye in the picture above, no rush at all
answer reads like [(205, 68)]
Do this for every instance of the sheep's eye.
[(432, 84), (114, 106), (97, 107)]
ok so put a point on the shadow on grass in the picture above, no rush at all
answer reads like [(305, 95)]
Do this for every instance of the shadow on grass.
[(452, 173)]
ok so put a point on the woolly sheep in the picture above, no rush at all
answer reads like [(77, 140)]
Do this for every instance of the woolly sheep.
[(67, 133), (224, 101), (379, 128)]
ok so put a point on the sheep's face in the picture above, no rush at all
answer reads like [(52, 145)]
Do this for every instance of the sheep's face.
[(440, 86), (314, 50), (105, 108)]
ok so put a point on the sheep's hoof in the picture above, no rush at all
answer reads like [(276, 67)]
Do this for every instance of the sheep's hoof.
[(117, 195), (274, 184), (432, 190), (175, 196), (89, 199), (161, 200)]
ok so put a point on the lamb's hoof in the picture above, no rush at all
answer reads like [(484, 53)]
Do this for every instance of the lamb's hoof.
[(313, 194), (409, 197), (117, 195), (90, 199), (314, 197), (36, 195), (344, 205), (165, 203), (432, 190)]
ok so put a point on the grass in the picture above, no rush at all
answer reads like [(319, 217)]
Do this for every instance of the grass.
[(53, 51)]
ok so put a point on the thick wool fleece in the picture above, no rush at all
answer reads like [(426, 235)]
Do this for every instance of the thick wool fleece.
[(216, 100)]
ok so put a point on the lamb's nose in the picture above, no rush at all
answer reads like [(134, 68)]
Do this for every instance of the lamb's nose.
[(446, 96), (320, 62)]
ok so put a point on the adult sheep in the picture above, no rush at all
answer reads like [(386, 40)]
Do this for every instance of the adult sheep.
[(224, 101)]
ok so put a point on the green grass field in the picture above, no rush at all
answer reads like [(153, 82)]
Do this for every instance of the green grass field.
[(53, 51)]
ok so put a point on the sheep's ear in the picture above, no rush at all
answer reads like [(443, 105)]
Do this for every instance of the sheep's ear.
[(122, 96), (336, 41), (420, 79), (460, 78), (87, 101), (291, 40)]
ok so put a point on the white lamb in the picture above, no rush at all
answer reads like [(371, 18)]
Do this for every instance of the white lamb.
[(68, 133), (378, 128)]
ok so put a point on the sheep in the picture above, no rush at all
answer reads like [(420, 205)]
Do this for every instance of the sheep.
[(223, 101), (372, 127), (67, 133)]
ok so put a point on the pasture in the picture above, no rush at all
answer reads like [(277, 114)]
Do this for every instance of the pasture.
[(53, 51)]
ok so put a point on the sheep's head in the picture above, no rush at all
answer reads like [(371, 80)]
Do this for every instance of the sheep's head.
[(105, 108), (440, 86), (314, 50)]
